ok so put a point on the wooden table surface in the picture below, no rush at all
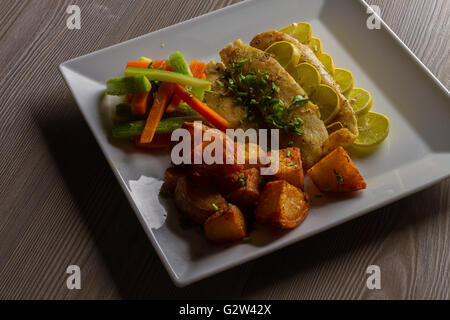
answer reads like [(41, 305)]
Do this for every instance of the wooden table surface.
[(60, 203)]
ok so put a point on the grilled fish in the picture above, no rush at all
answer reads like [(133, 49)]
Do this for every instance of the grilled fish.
[(225, 104), (346, 115), (315, 136)]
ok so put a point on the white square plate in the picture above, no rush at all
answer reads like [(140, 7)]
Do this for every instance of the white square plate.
[(416, 154)]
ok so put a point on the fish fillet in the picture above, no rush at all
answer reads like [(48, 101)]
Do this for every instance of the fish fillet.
[(225, 105), (312, 142), (346, 114)]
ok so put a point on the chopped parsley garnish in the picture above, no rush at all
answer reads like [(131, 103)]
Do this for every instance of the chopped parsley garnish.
[(262, 181), (220, 84), (293, 163), (339, 178), (242, 180), (213, 92), (275, 88), (291, 143), (289, 154), (247, 240), (215, 207), (258, 96), (299, 101)]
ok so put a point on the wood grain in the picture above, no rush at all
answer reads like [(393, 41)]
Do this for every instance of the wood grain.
[(60, 203)]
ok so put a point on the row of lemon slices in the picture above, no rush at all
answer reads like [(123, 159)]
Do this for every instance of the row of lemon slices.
[(374, 127)]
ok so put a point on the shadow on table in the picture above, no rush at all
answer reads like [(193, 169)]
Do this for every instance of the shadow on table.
[(132, 262)]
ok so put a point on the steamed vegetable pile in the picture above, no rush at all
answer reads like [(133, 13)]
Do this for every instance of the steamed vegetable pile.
[(161, 96)]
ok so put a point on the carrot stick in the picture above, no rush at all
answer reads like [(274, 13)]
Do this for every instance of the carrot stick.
[(163, 97), (198, 69), (173, 106), (140, 103), (206, 112), (129, 98), (159, 64), (160, 141), (138, 64)]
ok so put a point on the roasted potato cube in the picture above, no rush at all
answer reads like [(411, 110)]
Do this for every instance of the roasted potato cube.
[(198, 201), (226, 226), (290, 167), (337, 173), (246, 188), (283, 205), (252, 154), (171, 178), (228, 150)]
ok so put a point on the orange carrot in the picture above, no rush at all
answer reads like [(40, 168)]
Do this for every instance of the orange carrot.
[(140, 103), (206, 112), (163, 96), (198, 69), (160, 141), (159, 64), (138, 64), (174, 104), (129, 98)]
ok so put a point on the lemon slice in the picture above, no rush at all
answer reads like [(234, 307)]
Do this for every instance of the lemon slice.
[(287, 54), (316, 46), (344, 79), (336, 126), (327, 100), (361, 100), (373, 129), (145, 59), (327, 62), (301, 31), (308, 77)]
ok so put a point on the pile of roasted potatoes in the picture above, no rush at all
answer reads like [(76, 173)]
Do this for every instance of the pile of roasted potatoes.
[(225, 198)]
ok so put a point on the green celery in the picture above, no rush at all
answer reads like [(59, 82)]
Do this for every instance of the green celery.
[(184, 110), (132, 84), (134, 129), (168, 76), (123, 111), (180, 65)]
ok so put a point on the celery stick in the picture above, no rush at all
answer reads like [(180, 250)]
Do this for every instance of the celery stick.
[(134, 129), (133, 84), (184, 110), (128, 130), (168, 76), (179, 64), (123, 111), (169, 125)]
